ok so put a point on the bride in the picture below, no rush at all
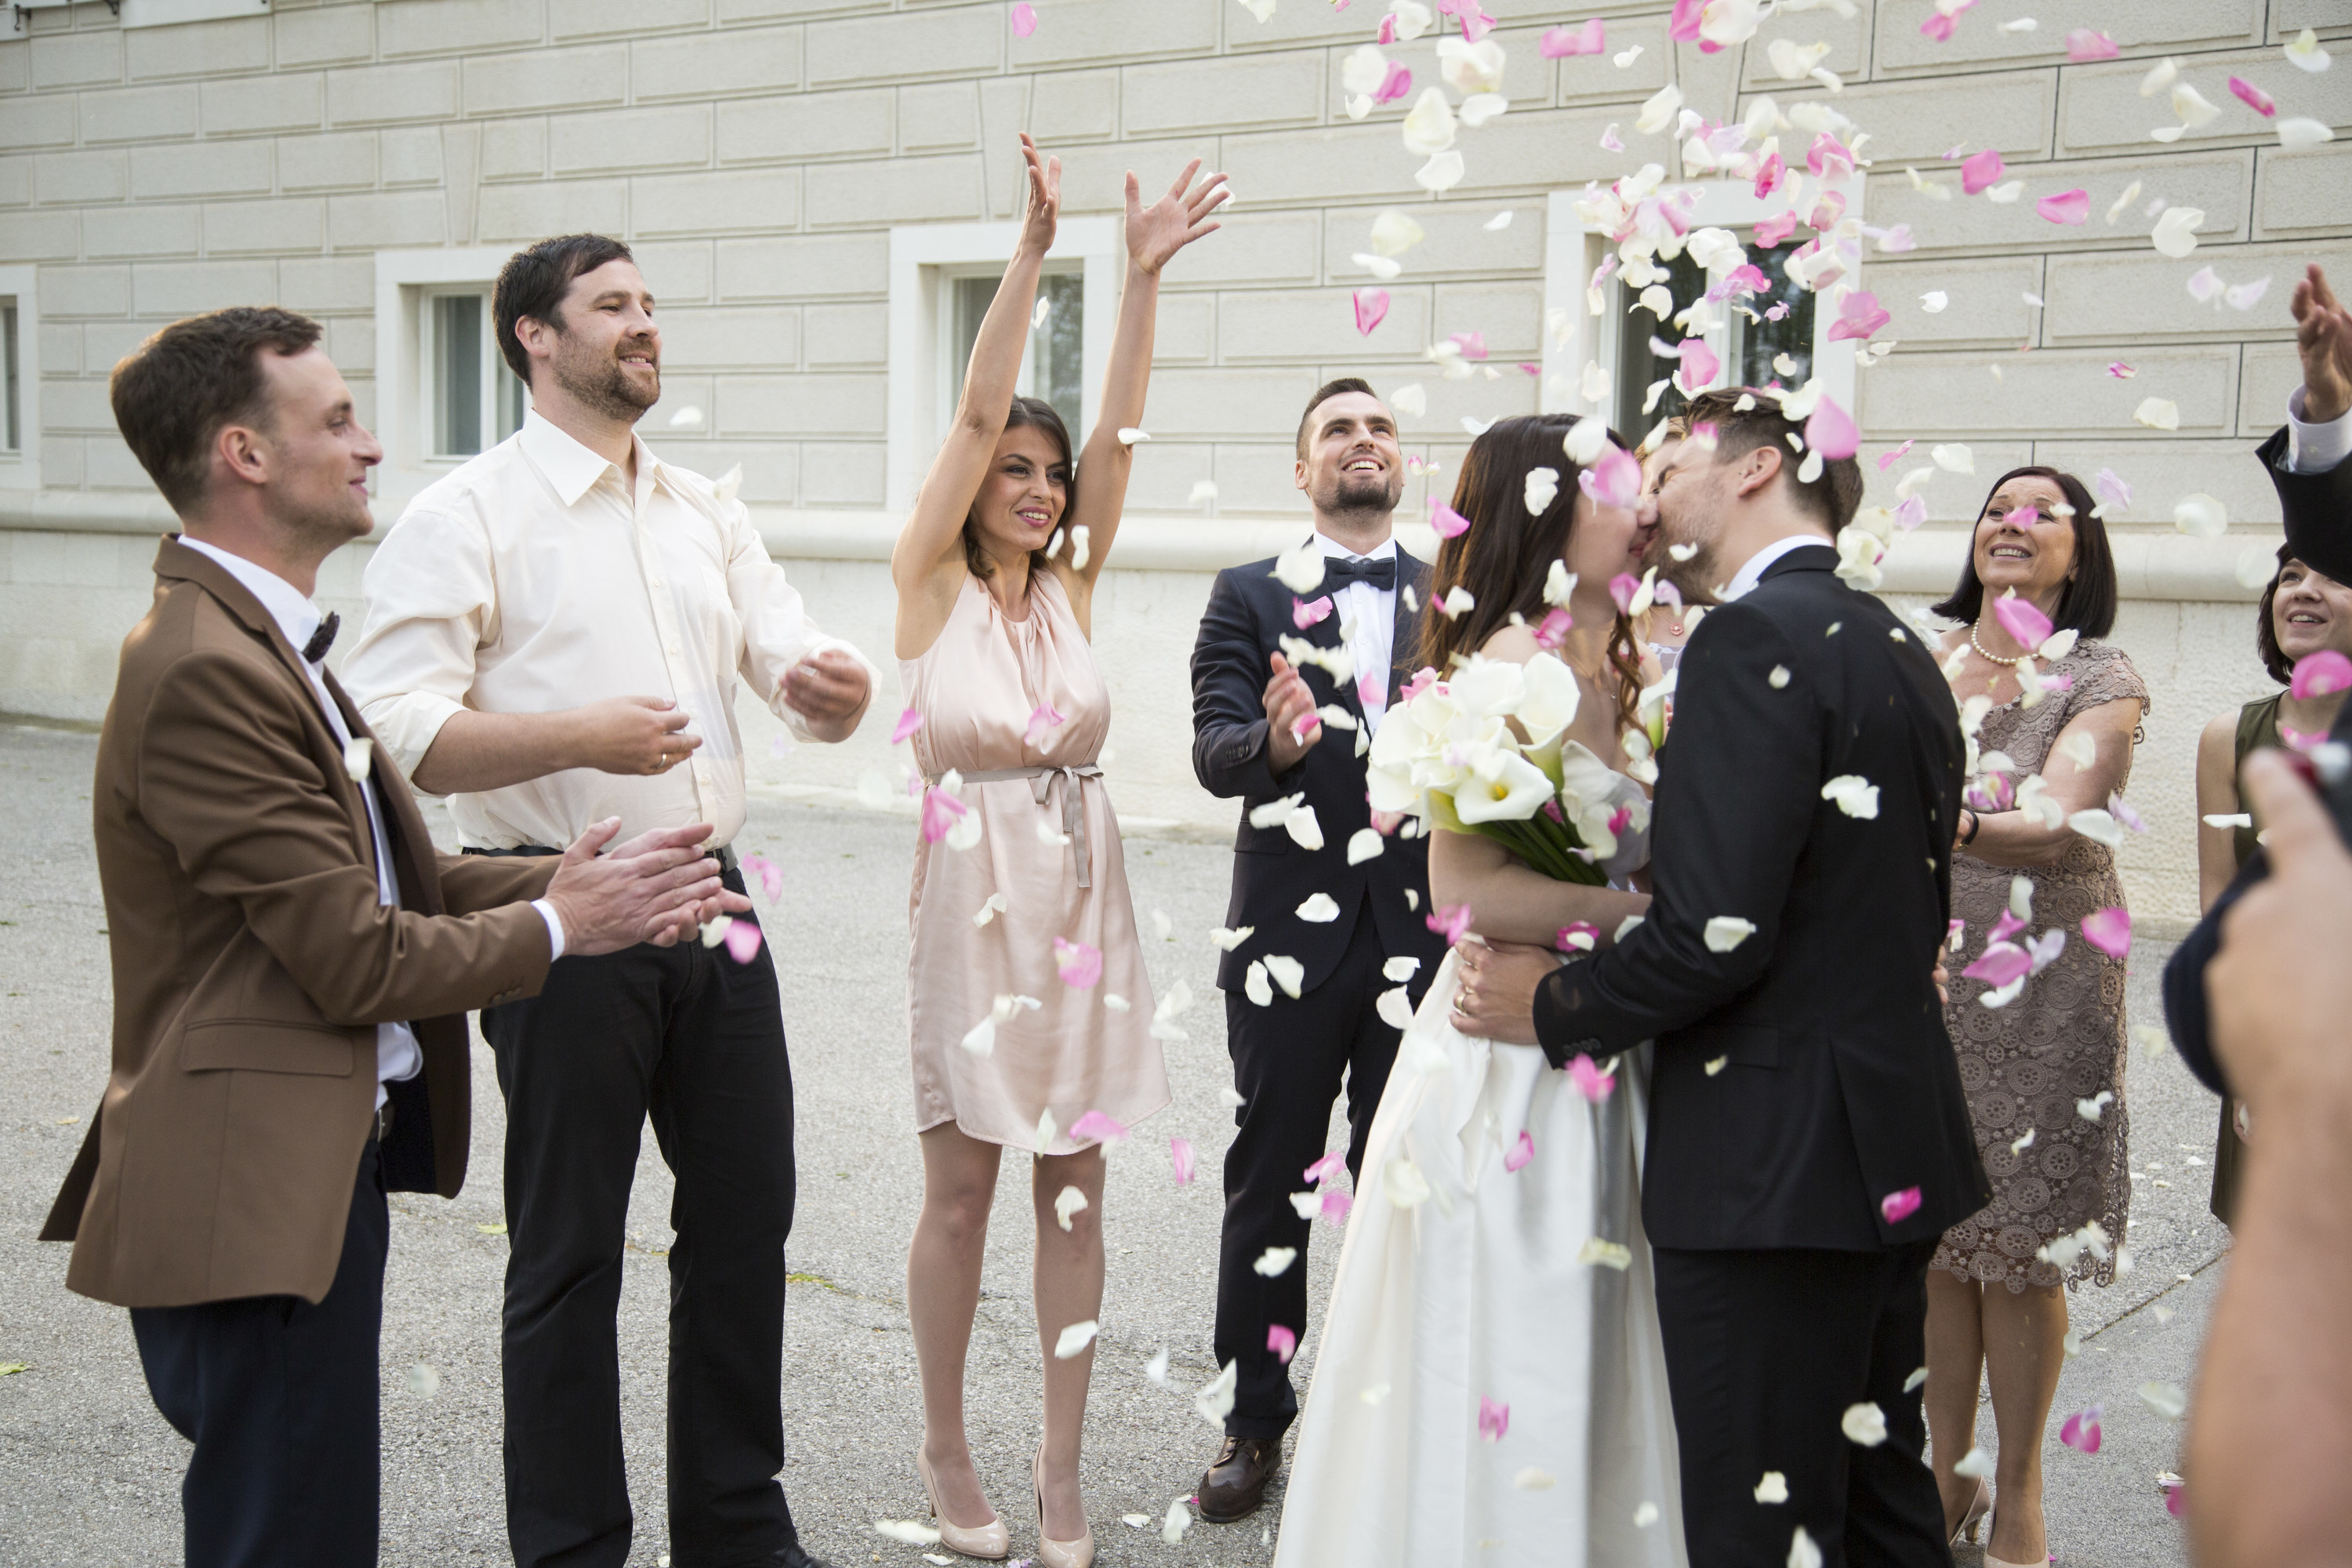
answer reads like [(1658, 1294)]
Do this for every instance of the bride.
[(1490, 1386)]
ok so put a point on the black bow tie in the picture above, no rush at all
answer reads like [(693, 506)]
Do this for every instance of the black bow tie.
[(323, 638), (1337, 572)]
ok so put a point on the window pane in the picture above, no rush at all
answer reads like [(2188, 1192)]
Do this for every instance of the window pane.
[(1057, 364), (456, 375), (513, 398), (1756, 342), (1638, 366), (972, 300), (8, 330)]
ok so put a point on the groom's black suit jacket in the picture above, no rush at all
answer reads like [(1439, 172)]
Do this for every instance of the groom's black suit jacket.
[(1834, 1081), (1249, 613)]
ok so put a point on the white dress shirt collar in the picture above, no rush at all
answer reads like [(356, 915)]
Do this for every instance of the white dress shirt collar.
[(1384, 551), (296, 615), (1743, 581), (573, 468)]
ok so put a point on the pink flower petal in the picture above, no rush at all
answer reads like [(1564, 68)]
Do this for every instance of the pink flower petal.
[(1386, 823), (1449, 523), (1305, 612), (1910, 513), (2081, 1430), (1938, 27), (2176, 1499), (2022, 621), (1590, 1080), (1773, 231), (1700, 366), (1471, 344), (1614, 480), (1897, 1207), (1282, 1341), (2084, 45), (2109, 931), (909, 722), (2112, 487), (742, 940), (1577, 936), (2008, 926), (2320, 674), (1612, 142), (2065, 207), (1668, 595), (1888, 459), (1530, 367), (1452, 922), (2254, 97), (1553, 629), (1330, 1168), (1024, 18), (1494, 1419), (1044, 719), (1859, 316), (1180, 1155), (1953, 933), (1369, 690), (1371, 309), (1080, 964), (771, 875), (1830, 431), (2121, 371), (2002, 963), (1826, 212), (1422, 680), (1621, 588), (941, 811), (1099, 1127), (1981, 172), (1560, 43), (1683, 27), (1388, 34), (1520, 1152), (1336, 1204), (1830, 158), (1396, 84)]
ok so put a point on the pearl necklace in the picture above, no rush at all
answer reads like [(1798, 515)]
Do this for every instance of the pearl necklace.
[(1994, 658)]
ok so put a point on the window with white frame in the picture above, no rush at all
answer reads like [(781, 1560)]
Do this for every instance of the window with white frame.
[(944, 277), (1775, 335), (442, 390), (20, 380)]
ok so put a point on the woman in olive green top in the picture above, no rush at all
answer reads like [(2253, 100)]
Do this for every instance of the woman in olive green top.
[(2303, 612)]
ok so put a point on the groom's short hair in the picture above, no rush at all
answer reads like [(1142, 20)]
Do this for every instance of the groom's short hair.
[(1833, 498), (1325, 394)]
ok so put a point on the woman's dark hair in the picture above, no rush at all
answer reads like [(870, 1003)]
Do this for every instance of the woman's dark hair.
[(2087, 603), (1505, 556), (2266, 643), (533, 283), (1037, 412)]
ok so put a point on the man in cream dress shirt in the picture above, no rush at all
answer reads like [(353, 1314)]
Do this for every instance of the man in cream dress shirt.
[(555, 635)]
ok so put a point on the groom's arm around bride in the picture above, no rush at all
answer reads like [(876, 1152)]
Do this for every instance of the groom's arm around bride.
[(1808, 1137)]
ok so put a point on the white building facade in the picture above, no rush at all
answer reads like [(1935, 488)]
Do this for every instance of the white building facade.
[(821, 195)]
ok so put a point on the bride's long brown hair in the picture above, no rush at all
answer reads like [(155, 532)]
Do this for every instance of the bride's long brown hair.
[(1505, 553)]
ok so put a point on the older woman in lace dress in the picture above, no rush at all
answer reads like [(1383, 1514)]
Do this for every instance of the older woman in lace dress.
[(2043, 1065)]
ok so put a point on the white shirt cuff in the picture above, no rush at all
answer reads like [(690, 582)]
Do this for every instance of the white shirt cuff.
[(2314, 449), (554, 928)]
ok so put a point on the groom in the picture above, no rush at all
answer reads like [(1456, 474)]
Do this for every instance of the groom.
[(1254, 736), (1809, 1139)]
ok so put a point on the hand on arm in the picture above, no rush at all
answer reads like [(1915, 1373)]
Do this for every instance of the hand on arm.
[(2022, 838), (1154, 235), (1509, 902), (475, 751)]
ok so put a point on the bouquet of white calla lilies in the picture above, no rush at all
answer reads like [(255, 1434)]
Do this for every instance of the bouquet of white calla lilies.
[(1482, 752)]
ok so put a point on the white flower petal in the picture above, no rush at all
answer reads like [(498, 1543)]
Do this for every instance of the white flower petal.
[(1724, 933), (1319, 908)]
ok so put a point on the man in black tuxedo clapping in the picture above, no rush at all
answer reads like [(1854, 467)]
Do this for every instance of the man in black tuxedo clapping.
[(1329, 910)]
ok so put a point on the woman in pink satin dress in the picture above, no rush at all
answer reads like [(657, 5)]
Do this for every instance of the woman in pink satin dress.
[(1027, 999)]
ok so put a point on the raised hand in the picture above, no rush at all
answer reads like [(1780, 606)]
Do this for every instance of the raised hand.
[(1287, 702), (2323, 332), (1044, 209), (1158, 232)]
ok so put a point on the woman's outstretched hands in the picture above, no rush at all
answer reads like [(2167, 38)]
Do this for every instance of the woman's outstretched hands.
[(1158, 232), (2323, 332), (1044, 209)]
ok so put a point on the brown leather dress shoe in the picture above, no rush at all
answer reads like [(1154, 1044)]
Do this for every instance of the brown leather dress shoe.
[(1236, 1484)]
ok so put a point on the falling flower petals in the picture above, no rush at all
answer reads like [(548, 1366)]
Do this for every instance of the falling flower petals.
[(1859, 316), (1561, 43), (2109, 930), (1179, 1157), (1214, 1401), (1855, 795), (1724, 933), (1283, 1343), (1522, 1150), (1895, 1208), (1451, 922), (1599, 1254), (1981, 172), (1542, 488), (1275, 1261), (1614, 480), (1830, 431), (1080, 964), (1447, 522), (909, 722), (2254, 98), (1773, 1488), (1371, 309), (1077, 1336), (2320, 674), (2022, 620), (1590, 1080), (1494, 1419), (2166, 1399), (2199, 516), (2080, 1431), (2157, 413), (1865, 1424), (2175, 234), (1659, 110), (742, 940), (1440, 174), (359, 757), (2084, 45), (2065, 207), (2301, 131)]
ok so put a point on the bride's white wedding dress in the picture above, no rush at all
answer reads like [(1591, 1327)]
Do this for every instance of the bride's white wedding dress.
[(1482, 1294)]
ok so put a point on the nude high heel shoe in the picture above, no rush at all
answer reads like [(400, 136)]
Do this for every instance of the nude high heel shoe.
[(1980, 1510), (1051, 1553), (1992, 1562), (991, 1539)]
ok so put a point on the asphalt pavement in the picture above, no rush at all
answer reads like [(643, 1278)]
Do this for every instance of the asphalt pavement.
[(93, 1471)]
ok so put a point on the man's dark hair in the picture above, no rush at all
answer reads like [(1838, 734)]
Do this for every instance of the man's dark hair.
[(533, 283), (173, 393), (2087, 604), (1324, 394), (1833, 498)]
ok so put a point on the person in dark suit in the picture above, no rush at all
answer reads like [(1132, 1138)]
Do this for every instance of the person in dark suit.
[(2304, 458), (292, 961), (1302, 979), (1809, 1137)]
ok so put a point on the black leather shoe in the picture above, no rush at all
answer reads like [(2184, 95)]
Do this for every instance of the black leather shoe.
[(1236, 1484), (797, 1556)]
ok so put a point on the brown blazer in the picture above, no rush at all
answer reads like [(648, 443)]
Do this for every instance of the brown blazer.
[(252, 963)]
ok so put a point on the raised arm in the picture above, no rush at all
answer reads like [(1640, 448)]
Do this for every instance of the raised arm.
[(2023, 838), (927, 563), (1154, 235)]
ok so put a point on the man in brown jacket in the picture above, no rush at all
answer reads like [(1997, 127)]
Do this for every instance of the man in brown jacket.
[(293, 960)]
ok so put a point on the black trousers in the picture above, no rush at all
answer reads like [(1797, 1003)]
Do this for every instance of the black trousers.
[(695, 1039), (1764, 1352), (280, 1399), (1288, 1059)]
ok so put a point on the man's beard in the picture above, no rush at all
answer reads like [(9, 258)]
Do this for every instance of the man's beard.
[(1695, 577), (1352, 495), (604, 385)]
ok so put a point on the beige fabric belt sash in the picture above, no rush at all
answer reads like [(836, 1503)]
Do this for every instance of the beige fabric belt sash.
[(1041, 784)]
